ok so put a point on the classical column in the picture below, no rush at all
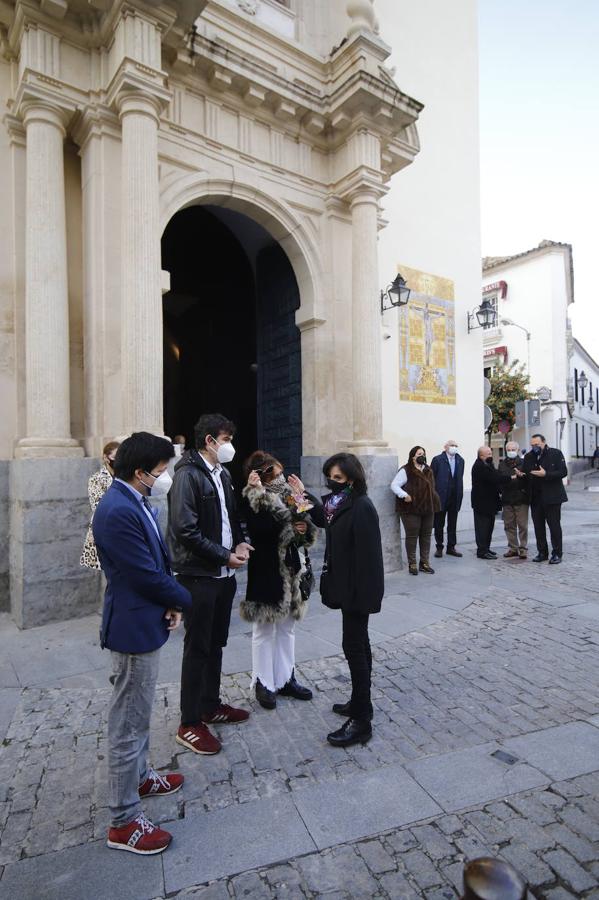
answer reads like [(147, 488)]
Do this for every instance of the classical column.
[(141, 298), (46, 288), (366, 322)]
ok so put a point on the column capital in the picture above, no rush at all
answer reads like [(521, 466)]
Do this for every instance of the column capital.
[(38, 102), (363, 185), (138, 89)]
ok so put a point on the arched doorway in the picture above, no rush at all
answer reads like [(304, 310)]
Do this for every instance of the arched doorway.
[(230, 340)]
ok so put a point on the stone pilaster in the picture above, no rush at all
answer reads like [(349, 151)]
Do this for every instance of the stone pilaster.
[(366, 323), (46, 291), (141, 299)]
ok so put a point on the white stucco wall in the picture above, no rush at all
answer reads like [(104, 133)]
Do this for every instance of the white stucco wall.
[(587, 419), (433, 209)]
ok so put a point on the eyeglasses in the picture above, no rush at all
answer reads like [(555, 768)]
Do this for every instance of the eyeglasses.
[(265, 471)]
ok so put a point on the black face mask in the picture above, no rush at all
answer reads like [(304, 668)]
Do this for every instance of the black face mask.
[(336, 487), (421, 460), (489, 461)]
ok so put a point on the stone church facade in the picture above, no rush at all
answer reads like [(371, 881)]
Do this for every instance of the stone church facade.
[(279, 121)]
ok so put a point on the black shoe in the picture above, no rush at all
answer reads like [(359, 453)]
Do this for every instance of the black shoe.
[(413, 569), (265, 698), (342, 709), (294, 689), (451, 551), (487, 555), (424, 567), (540, 557), (439, 552), (555, 560), (351, 732)]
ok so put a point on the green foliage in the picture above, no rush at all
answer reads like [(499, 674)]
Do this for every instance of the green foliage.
[(508, 385)]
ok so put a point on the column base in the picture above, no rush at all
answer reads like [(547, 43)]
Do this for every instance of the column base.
[(43, 448)]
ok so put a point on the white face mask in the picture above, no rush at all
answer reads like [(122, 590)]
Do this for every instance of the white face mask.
[(225, 452), (512, 454), (452, 451), (162, 485)]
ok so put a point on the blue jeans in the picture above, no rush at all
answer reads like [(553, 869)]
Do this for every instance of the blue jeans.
[(134, 680)]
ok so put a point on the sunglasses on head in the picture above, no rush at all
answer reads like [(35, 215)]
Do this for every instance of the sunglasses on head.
[(266, 470)]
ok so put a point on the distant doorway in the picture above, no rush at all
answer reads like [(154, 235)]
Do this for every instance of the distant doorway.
[(231, 344)]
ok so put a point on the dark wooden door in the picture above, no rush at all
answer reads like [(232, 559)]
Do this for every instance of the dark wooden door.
[(279, 358)]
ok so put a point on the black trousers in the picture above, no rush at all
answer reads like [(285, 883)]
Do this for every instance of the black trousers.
[(483, 532), (452, 523), (206, 633), (547, 515), (356, 647)]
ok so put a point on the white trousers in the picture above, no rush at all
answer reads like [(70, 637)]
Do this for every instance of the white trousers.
[(273, 653)]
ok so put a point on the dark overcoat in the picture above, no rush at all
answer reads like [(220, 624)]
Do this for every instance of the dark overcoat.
[(486, 485), (274, 566), (550, 488), (442, 472), (355, 579)]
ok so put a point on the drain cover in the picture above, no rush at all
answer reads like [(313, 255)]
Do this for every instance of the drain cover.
[(504, 757)]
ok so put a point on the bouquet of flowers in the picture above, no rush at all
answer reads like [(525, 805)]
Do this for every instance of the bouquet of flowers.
[(299, 506)]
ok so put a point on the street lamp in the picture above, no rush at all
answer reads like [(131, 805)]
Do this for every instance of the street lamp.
[(582, 380), (591, 403), (397, 294), (486, 316), (527, 333)]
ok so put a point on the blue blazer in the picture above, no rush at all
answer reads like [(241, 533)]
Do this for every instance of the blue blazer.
[(140, 584), (442, 473)]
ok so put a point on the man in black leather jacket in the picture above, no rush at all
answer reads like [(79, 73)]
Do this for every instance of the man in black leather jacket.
[(207, 545), (545, 469)]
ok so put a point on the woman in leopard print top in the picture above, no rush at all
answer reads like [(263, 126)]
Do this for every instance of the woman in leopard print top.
[(97, 486)]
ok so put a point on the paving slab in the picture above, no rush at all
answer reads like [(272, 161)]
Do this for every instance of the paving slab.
[(9, 700), (363, 805), (89, 870), (240, 837), (586, 610), (564, 751), (469, 777)]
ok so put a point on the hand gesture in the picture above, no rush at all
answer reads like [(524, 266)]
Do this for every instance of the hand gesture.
[(254, 480), (244, 549), (296, 485), (407, 499), (540, 472), (173, 617), (235, 561)]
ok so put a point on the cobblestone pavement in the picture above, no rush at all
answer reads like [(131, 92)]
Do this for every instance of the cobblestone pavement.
[(516, 671)]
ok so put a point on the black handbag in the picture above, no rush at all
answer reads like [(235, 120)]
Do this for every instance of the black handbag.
[(307, 580)]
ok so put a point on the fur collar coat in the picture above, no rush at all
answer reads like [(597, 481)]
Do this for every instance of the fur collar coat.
[(274, 567)]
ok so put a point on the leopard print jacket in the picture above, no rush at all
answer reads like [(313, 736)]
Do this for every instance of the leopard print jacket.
[(97, 486)]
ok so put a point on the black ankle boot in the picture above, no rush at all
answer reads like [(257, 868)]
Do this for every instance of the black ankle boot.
[(343, 709), (294, 689), (354, 731), (265, 698)]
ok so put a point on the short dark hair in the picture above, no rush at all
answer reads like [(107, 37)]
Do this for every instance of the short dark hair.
[(541, 437), (141, 451), (351, 467), (211, 424)]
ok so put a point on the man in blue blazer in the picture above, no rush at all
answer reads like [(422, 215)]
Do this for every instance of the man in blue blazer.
[(142, 605), (448, 469)]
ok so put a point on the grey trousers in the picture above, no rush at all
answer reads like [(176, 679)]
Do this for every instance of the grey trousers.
[(134, 681), (515, 522)]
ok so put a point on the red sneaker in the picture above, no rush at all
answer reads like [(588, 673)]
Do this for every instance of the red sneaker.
[(139, 836), (198, 738), (157, 785), (224, 714)]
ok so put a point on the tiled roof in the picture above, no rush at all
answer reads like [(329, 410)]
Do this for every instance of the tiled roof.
[(489, 262)]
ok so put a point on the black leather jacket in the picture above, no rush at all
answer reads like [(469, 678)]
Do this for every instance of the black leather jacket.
[(195, 520)]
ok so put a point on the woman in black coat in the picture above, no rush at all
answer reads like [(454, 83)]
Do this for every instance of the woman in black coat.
[(352, 581), (273, 603)]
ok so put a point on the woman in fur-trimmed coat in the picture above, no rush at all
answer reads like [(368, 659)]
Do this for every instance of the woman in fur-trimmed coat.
[(273, 601)]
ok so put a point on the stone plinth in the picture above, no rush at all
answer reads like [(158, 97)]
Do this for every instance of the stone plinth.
[(4, 536), (380, 471), (49, 515)]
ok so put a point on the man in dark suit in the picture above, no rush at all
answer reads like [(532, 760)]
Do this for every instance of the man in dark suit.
[(486, 503), (207, 545), (545, 468), (142, 605), (448, 469)]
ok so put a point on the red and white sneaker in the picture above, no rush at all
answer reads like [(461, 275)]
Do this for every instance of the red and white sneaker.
[(198, 738), (224, 714), (157, 785), (139, 836)]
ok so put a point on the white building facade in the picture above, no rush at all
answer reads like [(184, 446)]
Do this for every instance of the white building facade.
[(531, 293), (193, 196)]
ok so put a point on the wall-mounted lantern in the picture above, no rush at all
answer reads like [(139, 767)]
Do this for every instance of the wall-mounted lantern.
[(486, 316), (397, 293)]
